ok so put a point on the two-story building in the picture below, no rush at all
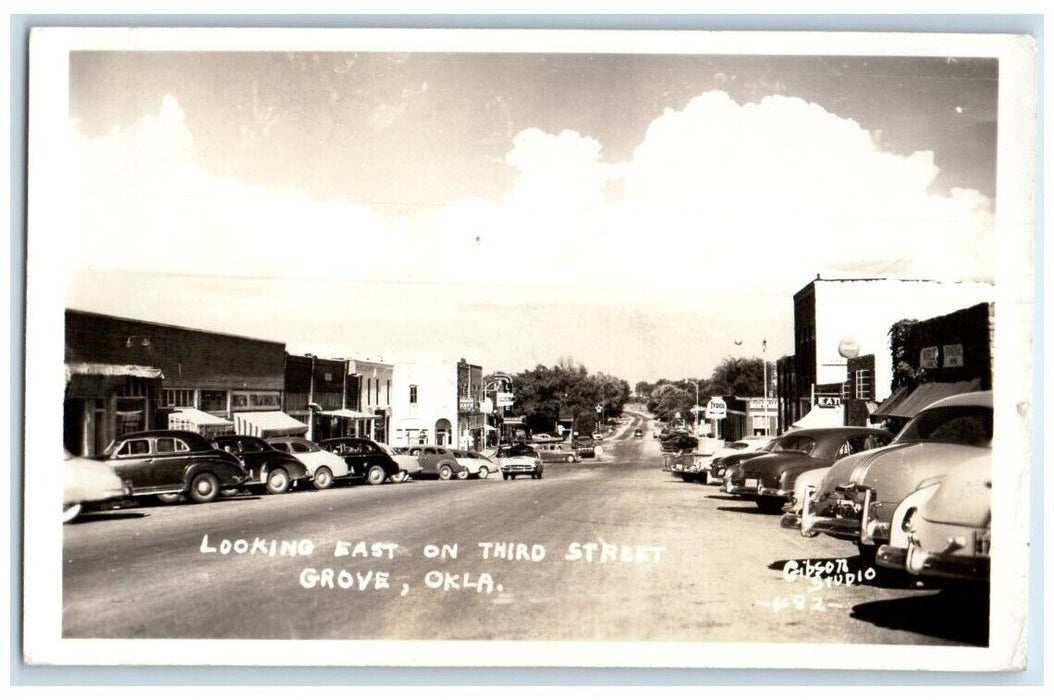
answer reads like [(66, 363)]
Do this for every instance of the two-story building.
[(437, 402)]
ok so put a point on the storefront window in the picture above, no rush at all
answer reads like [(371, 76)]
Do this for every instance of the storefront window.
[(178, 398), (131, 416), (214, 401)]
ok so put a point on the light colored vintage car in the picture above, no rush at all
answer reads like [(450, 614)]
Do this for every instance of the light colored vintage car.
[(943, 530), (323, 466), (518, 460), (474, 464), (558, 453), (857, 498), (89, 484)]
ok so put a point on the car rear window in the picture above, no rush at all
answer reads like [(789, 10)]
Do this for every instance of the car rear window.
[(954, 425)]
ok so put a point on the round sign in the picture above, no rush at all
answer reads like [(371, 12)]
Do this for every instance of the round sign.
[(849, 347)]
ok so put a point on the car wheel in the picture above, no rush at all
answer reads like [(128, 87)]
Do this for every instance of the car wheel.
[(170, 498), (375, 475), (323, 479), (445, 472), (204, 488), (462, 474), (687, 478), (483, 473), (400, 476), (570, 459), (277, 481), (70, 512), (505, 477), (769, 505)]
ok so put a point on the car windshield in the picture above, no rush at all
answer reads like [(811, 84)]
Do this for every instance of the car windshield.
[(794, 443), (953, 425)]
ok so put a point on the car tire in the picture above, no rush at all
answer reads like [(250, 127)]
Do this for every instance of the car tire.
[(70, 512), (445, 472), (375, 475), (483, 473), (570, 459), (323, 479), (400, 476), (169, 498), (277, 481), (769, 505), (462, 474), (204, 488), (505, 477)]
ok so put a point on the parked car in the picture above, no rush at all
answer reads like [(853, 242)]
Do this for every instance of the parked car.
[(805, 483), (943, 530), (585, 447), (89, 484), (558, 453), (171, 464), (768, 479), (367, 460), (679, 442), (856, 499), (747, 443), (517, 460), (473, 464), (720, 466), (689, 466), (598, 436), (436, 460), (638, 433), (323, 467), (269, 469), (545, 438)]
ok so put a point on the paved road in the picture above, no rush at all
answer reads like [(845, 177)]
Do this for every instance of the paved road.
[(612, 549)]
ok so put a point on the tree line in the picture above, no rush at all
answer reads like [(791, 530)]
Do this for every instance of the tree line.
[(567, 392), (734, 376)]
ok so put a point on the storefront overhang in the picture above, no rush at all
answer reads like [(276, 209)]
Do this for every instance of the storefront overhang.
[(821, 418), (199, 421), (268, 424), (925, 394), (88, 379), (520, 420), (348, 413)]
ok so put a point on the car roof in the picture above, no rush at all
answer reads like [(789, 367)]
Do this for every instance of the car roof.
[(838, 431)]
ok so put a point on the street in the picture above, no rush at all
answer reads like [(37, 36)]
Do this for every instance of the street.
[(606, 549)]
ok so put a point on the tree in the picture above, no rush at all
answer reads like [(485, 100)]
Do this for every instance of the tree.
[(567, 390)]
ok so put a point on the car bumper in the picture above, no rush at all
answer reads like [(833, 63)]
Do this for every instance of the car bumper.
[(891, 557), (920, 562)]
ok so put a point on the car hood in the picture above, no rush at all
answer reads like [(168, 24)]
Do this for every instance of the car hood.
[(895, 470), (778, 462), (965, 495)]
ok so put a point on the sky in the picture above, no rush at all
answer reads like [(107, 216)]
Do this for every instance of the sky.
[(636, 213)]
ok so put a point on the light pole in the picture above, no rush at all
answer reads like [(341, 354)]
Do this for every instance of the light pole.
[(765, 381), (695, 408)]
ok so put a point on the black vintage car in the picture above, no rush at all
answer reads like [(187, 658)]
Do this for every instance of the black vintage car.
[(768, 478), (585, 446), (269, 469), (366, 459), (171, 464), (679, 442)]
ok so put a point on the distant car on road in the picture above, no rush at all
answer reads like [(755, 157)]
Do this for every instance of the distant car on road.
[(598, 436), (679, 442), (638, 433), (438, 461), (323, 466), (544, 438), (170, 464), (269, 468), (88, 484), (585, 447), (517, 460), (558, 453)]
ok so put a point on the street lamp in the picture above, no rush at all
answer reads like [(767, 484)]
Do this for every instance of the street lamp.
[(695, 408), (765, 381)]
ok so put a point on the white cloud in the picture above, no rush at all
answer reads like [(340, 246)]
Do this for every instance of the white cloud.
[(718, 196)]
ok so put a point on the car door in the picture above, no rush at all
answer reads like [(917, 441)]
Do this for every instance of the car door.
[(171, 457), (354, 458), (133, 460)]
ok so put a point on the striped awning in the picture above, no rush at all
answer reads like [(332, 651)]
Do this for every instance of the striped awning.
[(925, 394), (101, 369), (267, 424), (348, 413)]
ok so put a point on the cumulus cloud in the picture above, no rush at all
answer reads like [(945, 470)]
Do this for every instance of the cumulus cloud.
[(718, 195)]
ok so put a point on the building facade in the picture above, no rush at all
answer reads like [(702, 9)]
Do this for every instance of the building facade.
[(125, 375), (837, 319), (437, 403)]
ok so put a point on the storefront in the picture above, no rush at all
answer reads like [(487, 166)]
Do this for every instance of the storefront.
[(201, 422), (105, 401)]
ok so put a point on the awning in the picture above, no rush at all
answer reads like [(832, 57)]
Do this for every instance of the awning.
[(821, 418), (925, 394), (267, 424), (348, 413), (200, 422), (884, 409), (515, 421), (99, 369)]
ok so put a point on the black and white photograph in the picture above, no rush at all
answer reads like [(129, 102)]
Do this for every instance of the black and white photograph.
[(529, 348)]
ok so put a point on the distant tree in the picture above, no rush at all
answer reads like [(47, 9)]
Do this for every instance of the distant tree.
[(740, 376), (547, 394)]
